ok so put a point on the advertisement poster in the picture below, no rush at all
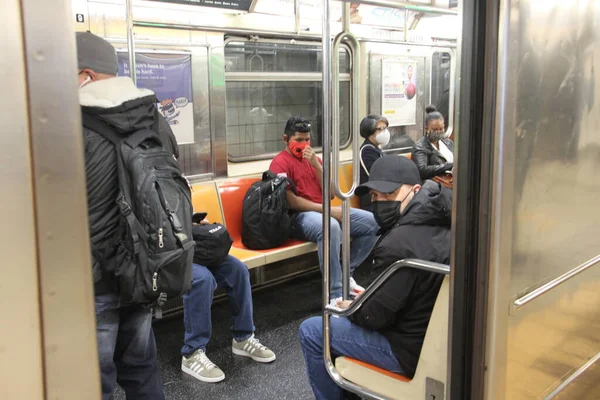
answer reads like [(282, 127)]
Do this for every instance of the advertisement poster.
[(241, 5), (398, 92), (169, 76)]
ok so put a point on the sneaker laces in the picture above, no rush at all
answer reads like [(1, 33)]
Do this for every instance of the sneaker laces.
[(201, 358), (254, 342)]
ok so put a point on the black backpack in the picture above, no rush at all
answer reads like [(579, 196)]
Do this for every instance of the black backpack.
[(212, 244), (153, 246), (265, 220)]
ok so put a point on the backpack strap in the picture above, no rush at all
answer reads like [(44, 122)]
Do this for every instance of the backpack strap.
[(137, 231), (270, 175), (360, 156), (101, 128)]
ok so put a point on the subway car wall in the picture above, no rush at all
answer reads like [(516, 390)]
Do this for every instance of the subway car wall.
[(244, 87)]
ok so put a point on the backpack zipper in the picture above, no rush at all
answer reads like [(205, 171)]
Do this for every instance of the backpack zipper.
[(161, 243), (155, 281)]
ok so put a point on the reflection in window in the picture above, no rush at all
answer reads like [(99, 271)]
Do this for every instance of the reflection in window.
[(440, 83), (277, 57), (269, 82), (257, 113)]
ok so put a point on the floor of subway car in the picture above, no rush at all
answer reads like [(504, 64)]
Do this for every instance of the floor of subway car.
[(278, 312)]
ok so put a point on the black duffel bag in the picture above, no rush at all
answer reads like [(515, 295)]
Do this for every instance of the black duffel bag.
[(212, 244)]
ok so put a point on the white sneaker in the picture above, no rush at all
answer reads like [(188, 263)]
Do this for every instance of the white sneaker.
[(200, 367), (355, 289), (333, 302)]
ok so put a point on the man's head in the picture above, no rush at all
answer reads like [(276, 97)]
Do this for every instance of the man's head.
[(297, 135), (393, 182), (96, 58)]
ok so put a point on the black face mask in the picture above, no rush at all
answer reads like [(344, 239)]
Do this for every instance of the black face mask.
[(387, 213)]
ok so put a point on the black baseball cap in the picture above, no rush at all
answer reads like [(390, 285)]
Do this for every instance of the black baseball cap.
[(389, 173)]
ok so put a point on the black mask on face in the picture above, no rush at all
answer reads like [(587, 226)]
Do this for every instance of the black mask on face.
[(387, 212)]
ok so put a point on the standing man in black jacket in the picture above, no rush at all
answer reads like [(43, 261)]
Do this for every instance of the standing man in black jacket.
[(389, 329), (126, 346)]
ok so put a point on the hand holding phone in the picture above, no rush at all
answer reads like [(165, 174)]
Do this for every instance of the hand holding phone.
[(197, 218)]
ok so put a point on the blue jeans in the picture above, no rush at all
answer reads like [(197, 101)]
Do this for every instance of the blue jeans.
[(127, 350), (347, 339), (231, 274), (308, 226)]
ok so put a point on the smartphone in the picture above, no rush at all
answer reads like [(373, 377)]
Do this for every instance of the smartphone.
[(199, 217)]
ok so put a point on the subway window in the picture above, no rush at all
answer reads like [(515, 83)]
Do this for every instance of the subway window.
[(180, 83), (269, 82), (440, 83)]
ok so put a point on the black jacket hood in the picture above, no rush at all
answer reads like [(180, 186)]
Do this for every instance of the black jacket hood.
[(119, 103), (432, 205)]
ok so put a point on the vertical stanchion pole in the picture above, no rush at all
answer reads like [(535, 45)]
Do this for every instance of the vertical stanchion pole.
[(326, 56), (130, 40), (297, 15)]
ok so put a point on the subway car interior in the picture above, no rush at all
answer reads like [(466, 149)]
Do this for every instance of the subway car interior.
[(518, 312)]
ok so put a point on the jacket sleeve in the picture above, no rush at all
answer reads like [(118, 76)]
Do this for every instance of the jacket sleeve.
[(419, 156), (166, 136), (369, 155), (380, 310)]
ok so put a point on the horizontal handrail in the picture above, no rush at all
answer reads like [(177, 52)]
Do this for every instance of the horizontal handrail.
[(406, 6), (529, 297), (406, 263), (573, 377)]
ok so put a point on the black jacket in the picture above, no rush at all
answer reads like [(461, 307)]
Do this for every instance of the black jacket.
[(369, 153), (429, 160), (401, 308), (121, 105)]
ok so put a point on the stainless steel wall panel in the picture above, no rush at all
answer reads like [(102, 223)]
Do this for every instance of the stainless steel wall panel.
[(20, 335), (66, 291), (546, 188)]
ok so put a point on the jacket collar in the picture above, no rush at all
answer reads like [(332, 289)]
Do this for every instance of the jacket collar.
[(109, 93)]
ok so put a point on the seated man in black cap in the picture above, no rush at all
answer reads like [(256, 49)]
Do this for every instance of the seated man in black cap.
[(389, 329)]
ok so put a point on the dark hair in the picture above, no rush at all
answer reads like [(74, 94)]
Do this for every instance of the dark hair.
[(296, 124), (369, 124), (432, 114)]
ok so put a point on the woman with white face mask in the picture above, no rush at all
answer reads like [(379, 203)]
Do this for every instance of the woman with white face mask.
[(374, 128)]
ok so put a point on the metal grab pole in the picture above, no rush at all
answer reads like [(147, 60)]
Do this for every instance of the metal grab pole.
[(297, 15), (335, 137), (326, 42), (130, 41)]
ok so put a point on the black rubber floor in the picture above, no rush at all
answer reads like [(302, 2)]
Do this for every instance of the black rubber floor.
[(278, 313)]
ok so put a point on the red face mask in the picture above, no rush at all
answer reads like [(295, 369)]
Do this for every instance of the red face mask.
[(297, 148)]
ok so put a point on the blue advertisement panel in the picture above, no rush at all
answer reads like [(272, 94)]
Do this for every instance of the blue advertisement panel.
[(169, 76)]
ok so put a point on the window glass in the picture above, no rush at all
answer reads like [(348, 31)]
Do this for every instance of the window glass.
[(440, 83), (277, 57), (257, 113), (183, 101)]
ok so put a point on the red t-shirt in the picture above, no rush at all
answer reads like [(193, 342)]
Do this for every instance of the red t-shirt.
[(301, 173)]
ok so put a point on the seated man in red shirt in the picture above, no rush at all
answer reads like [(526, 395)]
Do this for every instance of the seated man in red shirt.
[(299, 163)]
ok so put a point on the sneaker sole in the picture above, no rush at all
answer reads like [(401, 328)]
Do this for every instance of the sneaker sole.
[(200, 377), (257, 359)]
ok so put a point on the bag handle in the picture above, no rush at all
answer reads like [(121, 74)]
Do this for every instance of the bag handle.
[(360, 157)]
